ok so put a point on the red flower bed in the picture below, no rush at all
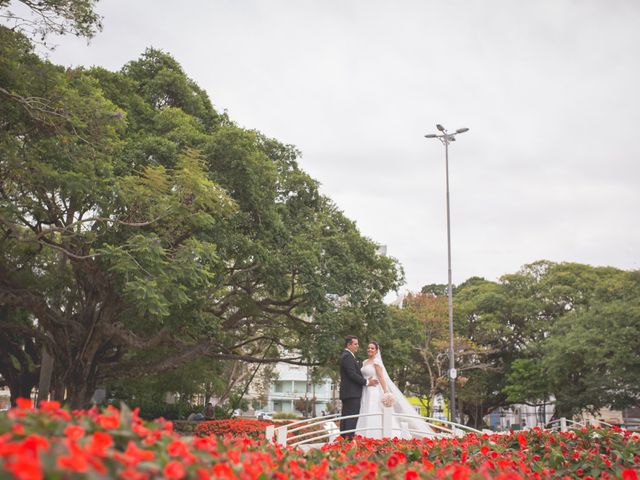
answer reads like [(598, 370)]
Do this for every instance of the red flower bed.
[(248, 427), (235, 426), (53, 443)]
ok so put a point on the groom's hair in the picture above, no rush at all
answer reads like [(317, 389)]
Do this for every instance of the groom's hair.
[(349, 340)]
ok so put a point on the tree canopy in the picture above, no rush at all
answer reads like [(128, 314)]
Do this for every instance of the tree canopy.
[(552, 331), (142, 230)]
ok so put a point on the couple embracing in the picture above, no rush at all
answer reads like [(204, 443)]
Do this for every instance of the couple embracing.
[(368, 389)]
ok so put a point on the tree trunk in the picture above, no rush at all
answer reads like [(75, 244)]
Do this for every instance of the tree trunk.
[(474, 418), (79, 393), (21, 386), (20, 381), (57, 390), (46, 370)]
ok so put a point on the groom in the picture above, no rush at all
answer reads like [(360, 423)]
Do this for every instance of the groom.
[(351, 383)]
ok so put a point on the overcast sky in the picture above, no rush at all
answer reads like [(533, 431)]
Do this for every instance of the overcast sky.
[(550, 90)]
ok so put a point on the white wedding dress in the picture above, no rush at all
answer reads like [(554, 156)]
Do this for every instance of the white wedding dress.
[(371, 402)]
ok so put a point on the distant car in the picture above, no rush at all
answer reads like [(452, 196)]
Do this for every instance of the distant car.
[(235, 413), (265, 415)]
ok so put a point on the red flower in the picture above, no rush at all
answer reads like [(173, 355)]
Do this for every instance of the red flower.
[(461, 472), (630, 474), (251, 469), (508, 476), (202, 474), (32, 444), (24, 403), (411, 475), (18, 429), (484, 450), (140, 430), (98, 444), (393, 460), (74, 432), (73, 462), (174, 470), (223, 470), (177, 449), (25, 469), (109, 422), (49, 406), (137, 455), (522, 440), (234, 456), (130, 474)]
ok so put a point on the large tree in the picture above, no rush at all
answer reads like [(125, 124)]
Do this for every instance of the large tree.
[(588, 358), (142, 230), (543, 328)]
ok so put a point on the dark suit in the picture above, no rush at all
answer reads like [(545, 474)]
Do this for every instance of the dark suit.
[(351, 384)]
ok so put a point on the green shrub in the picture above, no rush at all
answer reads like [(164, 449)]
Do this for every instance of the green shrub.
[(285, 415), (150, 410)]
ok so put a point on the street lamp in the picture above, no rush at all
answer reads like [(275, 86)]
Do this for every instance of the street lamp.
[(447, 138)]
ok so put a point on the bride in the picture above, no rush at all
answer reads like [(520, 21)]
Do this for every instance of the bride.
[(372, 402)]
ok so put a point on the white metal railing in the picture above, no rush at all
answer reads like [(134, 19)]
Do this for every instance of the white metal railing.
[(330, 428), (297, 433), (601, 423), (565, 424)]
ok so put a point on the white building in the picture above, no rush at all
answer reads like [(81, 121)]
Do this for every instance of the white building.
[(521, 416), (292, 383)]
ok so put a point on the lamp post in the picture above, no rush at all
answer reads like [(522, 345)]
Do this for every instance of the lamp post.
[(446, 139)]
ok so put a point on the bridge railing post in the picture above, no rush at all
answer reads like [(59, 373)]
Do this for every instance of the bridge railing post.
[(282, 435), (387, 422), (563, 424), (268, 434)]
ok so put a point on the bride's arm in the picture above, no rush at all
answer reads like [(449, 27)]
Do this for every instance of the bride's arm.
[(380, 376)]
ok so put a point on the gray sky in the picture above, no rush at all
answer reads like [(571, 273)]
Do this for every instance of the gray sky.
[(549, 89)]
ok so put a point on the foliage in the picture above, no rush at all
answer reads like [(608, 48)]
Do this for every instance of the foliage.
[(426, 330), (432, 353), (285, 415), (117, 444), (186, 383), (550, 330), (481, 314), (57, 17), (304, 405), (582, 352), (591, 358), (150, 410), (141, 230)]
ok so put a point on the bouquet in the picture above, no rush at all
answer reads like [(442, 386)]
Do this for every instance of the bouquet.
[(388, 399)]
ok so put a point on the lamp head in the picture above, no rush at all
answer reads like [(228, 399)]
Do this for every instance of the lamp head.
[(462, 130), (431, 135), (440, 127)]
